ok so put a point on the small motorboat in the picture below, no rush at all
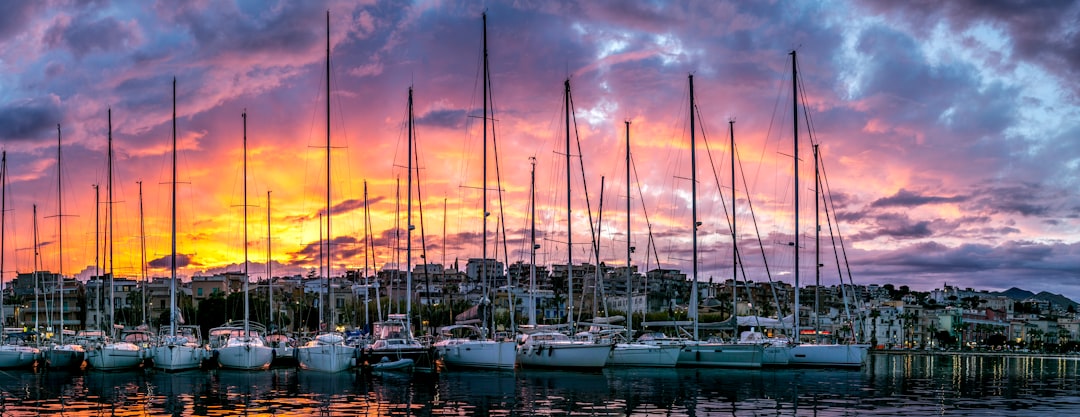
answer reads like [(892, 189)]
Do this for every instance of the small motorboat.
[(385, 364)]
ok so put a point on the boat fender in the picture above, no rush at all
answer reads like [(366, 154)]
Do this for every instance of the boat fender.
[(550, 350), (273, 354), (540, 349)]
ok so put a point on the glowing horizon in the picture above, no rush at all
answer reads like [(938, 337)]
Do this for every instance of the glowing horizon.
[(948, 151)]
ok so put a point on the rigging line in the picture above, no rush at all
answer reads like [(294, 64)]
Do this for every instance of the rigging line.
[(502, 211), (645, 211), (423, 236), (584, 180), (840, 236), (761, 245), (836, 255)]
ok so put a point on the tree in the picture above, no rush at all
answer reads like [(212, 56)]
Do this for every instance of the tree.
[(945, 338), (211, 313)]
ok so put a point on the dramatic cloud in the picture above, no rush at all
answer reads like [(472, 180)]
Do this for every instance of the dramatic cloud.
[(165, 262), (946, 131), (29, 120)]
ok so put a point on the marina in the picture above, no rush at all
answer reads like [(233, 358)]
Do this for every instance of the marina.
[(890, 384)]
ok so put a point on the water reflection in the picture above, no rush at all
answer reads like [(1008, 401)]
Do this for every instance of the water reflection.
[(889, 385)]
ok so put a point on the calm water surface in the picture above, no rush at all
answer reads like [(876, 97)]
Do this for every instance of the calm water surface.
[(909, 385)]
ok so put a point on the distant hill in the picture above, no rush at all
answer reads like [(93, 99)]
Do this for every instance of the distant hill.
[(1021, 295)]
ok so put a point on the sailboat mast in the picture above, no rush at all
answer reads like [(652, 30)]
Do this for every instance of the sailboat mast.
[(3, 229), (37, 283), (795, 130), (173, 314), (817, 248), (329, 288), (109, 220), (693, 204), (629, 249), (483, 185), (408, 221), (569, 223), (60, 231), (734, 233), (269, 277), (247, 311), (142, 253), (532, 242), (98, 297)]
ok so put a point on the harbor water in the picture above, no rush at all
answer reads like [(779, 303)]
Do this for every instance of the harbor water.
[(890, 384)]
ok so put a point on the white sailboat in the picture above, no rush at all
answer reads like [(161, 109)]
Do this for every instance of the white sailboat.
[(123, 354), (393, 338), (814, 354), (247, 349), (62, 355), (283, 346), (630, 353), (179, 347), (328, 351), (709, 353), (551, 349), (13, 353), (477, 350), (17, 351)]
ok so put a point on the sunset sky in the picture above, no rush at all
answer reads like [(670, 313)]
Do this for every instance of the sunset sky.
[(949, 132)]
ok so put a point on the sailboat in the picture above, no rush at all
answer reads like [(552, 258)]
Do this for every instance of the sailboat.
[(629, 353), (245, 347), (62, 355), (14, 353), (471, 347), (328, 351), (552, 349), (708, 353), (179, 347), (283, 349), (774, 350), (123, 354), (394, 345), (814, 354)]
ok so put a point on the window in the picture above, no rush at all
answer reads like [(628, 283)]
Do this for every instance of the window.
[(200, 292)]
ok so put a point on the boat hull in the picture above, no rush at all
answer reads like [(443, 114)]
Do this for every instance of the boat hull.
[(830, 356), (17, 356), (114, 357), (721, 355), (326, 358), (65, 357), (571, 355), (776, 356), (245, 356), (487, 354), (635, 354), (175, 357)]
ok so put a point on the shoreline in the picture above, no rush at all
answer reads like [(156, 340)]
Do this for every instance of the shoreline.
[(973, 353)]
